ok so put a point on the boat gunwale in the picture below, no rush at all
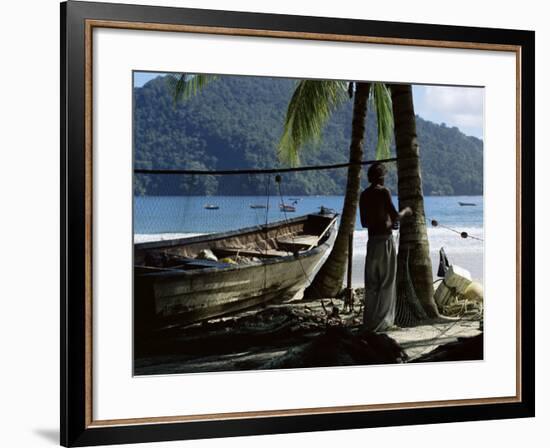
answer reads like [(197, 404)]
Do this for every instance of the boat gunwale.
[(173, 272), (222, 235)]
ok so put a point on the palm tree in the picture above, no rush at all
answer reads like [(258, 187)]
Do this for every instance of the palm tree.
[(310, 107), (185, 85), (414, 265)]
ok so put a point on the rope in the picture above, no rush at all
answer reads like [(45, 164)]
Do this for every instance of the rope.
[(436, 223), (265, 171), (460, 317), (443, 332), (409, 314)]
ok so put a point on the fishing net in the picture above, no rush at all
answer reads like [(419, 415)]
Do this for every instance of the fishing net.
[(409, 311)]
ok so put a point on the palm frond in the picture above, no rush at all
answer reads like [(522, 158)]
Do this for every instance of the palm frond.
[(384, 117), (186, 85), (309, 109)]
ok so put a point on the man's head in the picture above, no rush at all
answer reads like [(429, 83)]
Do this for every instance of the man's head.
[(376, 173)]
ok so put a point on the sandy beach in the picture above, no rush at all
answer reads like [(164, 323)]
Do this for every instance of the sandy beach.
[(301, 333)]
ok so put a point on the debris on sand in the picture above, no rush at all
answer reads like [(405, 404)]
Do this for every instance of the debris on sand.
[(339, 346), (299, 334), (464, 349)]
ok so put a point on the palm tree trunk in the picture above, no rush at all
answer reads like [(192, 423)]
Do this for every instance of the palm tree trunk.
[(413, 236), (328, 282)]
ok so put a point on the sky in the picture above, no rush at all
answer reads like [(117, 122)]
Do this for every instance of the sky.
[(455, 106)]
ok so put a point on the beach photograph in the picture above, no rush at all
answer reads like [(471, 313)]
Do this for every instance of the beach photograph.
[(305, 223)]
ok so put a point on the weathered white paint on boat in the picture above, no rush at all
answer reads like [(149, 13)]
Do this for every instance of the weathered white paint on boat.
[(185, 295)]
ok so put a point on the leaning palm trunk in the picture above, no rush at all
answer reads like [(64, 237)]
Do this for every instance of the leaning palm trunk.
[(328, 282), (414, 266)]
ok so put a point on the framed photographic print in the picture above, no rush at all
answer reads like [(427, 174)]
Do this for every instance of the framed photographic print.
[(282, 224)]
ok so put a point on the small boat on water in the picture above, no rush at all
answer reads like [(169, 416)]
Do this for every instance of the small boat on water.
[(287, 208), (186, 280), (466, 204), (257, 206), (211, 207)]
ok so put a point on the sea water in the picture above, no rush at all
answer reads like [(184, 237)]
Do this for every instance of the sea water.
[(164, 217)]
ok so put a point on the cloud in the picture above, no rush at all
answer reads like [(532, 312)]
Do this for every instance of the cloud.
[(456, 106)]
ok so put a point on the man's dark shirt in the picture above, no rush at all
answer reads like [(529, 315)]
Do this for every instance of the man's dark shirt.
[(377, 211)]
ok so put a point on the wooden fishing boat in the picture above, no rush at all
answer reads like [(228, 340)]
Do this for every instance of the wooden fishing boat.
[(466, 204), (287, 208), (186, 280), (258, 206)]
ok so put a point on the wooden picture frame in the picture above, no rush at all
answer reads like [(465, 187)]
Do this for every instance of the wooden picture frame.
[(78, 21)]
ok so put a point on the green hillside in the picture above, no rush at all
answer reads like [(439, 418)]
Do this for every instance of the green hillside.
[(236, 122)]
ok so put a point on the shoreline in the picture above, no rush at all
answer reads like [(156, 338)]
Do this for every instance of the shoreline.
[(467, 254), (472, 262)]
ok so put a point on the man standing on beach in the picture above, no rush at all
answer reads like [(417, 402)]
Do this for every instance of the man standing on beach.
[(379, 216)]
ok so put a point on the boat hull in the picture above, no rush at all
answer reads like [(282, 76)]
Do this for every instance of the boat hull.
[(179, 297)]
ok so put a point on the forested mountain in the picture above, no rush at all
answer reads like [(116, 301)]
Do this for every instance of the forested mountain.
[(235, 122)]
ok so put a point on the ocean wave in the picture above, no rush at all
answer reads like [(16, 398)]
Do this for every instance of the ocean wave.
[(150, 237), (438, 237), (464, 252)]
